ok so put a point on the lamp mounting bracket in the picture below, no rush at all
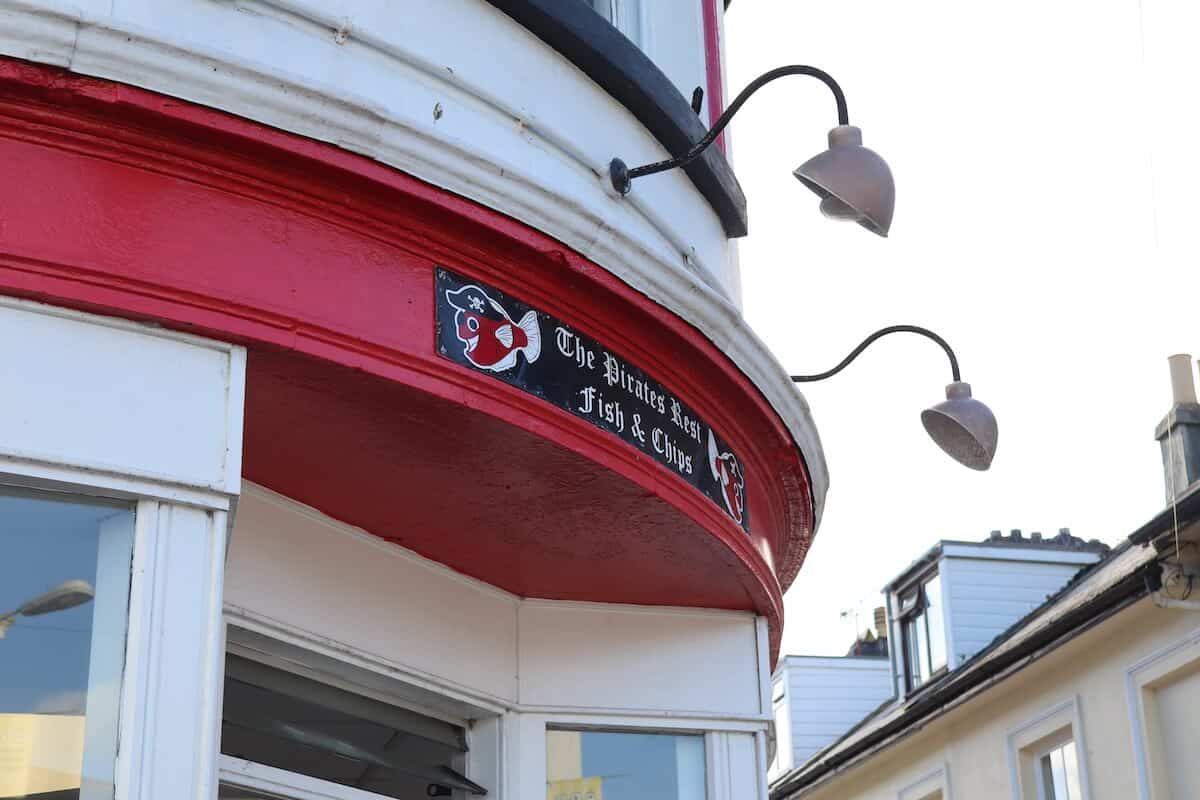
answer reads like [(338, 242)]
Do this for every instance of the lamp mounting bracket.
[(622, 175)]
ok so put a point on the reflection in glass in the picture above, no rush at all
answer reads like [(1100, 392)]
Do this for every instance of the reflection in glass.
[(1060, 774), (64, 593), (590, 765), (936, 622), (292, 723)]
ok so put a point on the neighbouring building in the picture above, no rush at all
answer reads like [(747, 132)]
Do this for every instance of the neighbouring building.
[(818, 698), (358, 439), (1094, 694)]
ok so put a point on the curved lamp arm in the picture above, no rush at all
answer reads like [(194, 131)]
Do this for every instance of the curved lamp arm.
[(962, 426), (879, 334), (622, 176)]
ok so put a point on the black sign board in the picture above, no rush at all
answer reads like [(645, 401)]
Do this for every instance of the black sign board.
[(486, 330)]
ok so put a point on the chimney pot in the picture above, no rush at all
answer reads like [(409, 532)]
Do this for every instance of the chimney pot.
[(996, 536), (1016, 535), (1183, 388), (1036, 536)]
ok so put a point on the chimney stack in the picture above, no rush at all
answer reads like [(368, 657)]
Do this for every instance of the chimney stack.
[(1179, 432), (881, 623)]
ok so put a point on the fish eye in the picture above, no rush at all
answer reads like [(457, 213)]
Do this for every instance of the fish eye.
[(472, 323)]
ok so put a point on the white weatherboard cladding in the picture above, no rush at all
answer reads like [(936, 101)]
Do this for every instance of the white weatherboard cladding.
[(984, 597), (293, 569), (520, 129), (119, 398), (827, 697)]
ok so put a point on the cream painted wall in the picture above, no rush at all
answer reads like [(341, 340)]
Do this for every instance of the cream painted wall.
[(972, 739)]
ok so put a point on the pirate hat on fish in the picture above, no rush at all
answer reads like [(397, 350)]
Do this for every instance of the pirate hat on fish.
[(474, 300)]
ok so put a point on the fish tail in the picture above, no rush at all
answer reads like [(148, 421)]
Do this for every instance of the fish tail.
[(533, 333)]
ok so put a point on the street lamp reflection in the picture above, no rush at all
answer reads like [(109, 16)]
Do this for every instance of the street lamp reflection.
[(62, 597)]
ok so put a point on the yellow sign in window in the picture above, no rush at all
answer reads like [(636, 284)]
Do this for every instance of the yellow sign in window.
[(575, 789)]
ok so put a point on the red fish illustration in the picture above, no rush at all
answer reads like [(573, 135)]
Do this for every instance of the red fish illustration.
[(728, 474), (491, 338)]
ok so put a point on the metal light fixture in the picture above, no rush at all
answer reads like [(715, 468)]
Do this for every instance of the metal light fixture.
[(961, 425), (854, 183), (60, 598)]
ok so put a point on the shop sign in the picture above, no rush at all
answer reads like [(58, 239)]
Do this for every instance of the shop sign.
[(486, 330)]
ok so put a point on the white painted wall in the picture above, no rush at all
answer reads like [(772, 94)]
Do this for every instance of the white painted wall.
[(343, 605), (583, 655), (984, 596), (302, 570), (297, 569), (826, 697), (74, 394)]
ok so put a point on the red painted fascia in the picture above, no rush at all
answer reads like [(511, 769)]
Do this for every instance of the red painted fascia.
[(380, 211)]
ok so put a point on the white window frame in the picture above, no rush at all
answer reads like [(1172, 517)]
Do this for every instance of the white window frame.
[(1063, 721), (1139, 676), (294, 785), (935, 780), (167, 735), (721, 783), (905, 620), (389, 684)]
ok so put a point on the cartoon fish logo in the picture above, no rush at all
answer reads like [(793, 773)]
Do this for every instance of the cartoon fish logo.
[(727, 472), (491, 338)]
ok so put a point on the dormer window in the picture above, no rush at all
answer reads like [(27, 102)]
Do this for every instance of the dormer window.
[(922, 630), (625, 16)]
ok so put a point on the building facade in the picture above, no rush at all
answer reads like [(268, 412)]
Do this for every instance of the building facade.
[(817, 699), (360, 441), (1092, 695)]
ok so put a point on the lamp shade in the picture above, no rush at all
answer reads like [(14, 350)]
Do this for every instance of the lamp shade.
[(963, 427), (854, 183), (61, 597)]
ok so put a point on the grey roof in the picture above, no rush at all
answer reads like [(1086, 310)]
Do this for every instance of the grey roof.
[(1119, 578), (893, 720), (1063, 542)]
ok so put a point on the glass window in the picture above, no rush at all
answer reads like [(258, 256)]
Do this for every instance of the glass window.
[(622, 14), (935, 623), (589, 765), (291, 723), (1059, 774), (923, 629), (64, 604)]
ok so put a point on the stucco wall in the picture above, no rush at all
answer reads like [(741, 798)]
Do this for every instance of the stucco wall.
[(971, 741)]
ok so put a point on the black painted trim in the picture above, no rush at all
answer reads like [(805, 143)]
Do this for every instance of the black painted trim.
[(619, 67)]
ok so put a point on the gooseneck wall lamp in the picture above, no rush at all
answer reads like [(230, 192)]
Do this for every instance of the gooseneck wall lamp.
[(961, 425), (854, 183)]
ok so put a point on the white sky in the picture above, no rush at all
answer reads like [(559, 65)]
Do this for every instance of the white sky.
[(1032, 230)]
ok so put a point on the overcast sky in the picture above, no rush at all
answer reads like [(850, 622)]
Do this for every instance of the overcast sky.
[(1045, 171)]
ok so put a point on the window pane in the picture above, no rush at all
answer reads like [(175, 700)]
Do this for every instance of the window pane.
[(1059, 772), (922, 648), (64, 595), (912, 654), (603, 7), (588, 765), (1071, 770), (935, 620), (289, 722)]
